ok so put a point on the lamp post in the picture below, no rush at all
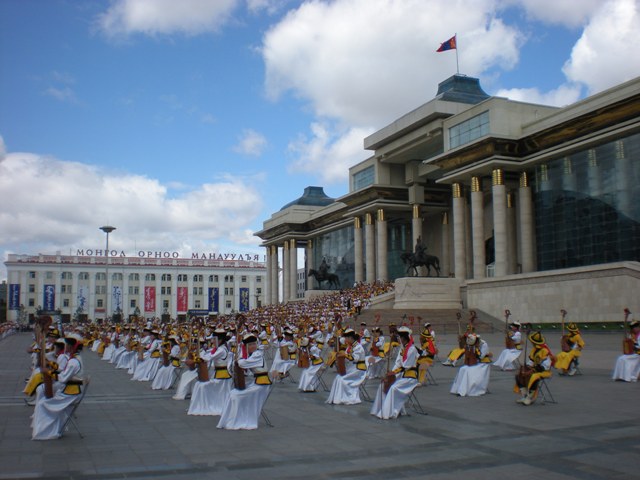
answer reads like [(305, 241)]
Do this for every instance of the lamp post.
[(107, 229)]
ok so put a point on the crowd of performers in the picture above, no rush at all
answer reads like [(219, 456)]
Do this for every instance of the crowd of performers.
[(8, 328), (226, 367)]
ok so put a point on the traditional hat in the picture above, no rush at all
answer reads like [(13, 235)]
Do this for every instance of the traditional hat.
[(73, 338), (405, 330), (536, 338), (249, 338), (472, 338), (53, 332), (304, 342), (573, 328), (363, 323), (427, 324), (349, 332), (220, 332), (515, 323), (288, 332), (59, 341), (377, 329)]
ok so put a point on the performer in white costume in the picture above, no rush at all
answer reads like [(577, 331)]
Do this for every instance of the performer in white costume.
[(513, 342), (627, 366), (345, 389), (309, 376), (405, 378), (166, 373), (473, 378)]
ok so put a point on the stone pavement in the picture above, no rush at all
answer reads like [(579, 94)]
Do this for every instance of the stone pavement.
[(132, 432)]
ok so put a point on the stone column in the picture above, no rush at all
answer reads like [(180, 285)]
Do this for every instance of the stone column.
[(416, 224), (624, 177), (459, 253), (309, 262), (593, 174), (293, 270), (357, 250), (286, 281), (369, 234), (446, 246), (477, 228), (275, 275), (499, 194), (267, 280), (381, 260), (512, 236), (126, 307), (527, 231)]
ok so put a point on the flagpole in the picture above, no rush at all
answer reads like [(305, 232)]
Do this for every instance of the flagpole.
[(457, 64)]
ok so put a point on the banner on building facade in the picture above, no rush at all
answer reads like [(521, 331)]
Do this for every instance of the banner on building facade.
[(49, 300), (116, 299), (14, 296), (244, 299), (213, 299), (183, 299), (149, 299), (83, 296)]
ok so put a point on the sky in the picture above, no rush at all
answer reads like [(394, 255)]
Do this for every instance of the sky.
[(186, 124)]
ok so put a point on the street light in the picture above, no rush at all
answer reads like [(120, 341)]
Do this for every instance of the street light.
[(107, 229)]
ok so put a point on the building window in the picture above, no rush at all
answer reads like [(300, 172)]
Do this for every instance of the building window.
[(228, 278), (83, 276), (32, 274), (469, 130), (101, 276), (116, 277), (259, 279), (65, 302), (165, 291), (65, 289), (197, 290), (182, 277), (32, 288), (258, 291), (165, 304), (243, 279), (213, 278), (99, 303), (66, 276), (228, 305), (101, 289), (32, 302), (134, 277), (166, 277), (197, 278), (49, 275), (134, 290), (150, 277), (197, 304), (364, 178), (132, 304)]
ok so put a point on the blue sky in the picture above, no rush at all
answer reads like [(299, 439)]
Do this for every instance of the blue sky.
[(188, 123)]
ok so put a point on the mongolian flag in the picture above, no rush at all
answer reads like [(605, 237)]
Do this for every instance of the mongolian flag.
[(448, 45)]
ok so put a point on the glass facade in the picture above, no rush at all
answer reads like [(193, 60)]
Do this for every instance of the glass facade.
[(469, 130), (363, 178), (399, 241), (336, 248), (587, 206)]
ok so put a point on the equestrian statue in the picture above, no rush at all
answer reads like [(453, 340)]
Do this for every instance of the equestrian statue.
[(322, 275), (420, 258)]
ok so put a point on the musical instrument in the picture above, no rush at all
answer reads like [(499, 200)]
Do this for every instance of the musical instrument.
[(201, 365), (461, 338), (239, 381), (44, 322), (303, 357), (166, 349), (341, 364), (508, 340), (375, 350), (470, 355), (525, 371), (565, 344), (284, 352), (388, 380), (628, 345)]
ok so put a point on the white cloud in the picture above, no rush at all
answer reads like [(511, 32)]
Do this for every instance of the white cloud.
[(559, 97), (251, 143), (64, 94), (607, 52), (160, 17), (329, 152), (570, 13), (50, 205)]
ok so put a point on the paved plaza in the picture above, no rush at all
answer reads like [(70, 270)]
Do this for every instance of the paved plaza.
[(130, 431)]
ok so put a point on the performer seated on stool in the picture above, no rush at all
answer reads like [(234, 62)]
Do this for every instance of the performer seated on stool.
[(377, 355), (309, 377), (473, 378), (50, 414), (538, 366), (572, 345), (627, 366), (243, 408), (428, 352), (513, 343), (345, 389), (390, 403)]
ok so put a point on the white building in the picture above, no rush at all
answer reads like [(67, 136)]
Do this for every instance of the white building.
[(152, 285)]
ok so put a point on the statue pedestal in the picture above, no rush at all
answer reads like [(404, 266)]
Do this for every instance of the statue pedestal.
[(427, 293)]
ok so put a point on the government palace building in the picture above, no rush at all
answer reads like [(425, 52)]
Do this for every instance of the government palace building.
[(94, 286), (527, 207)]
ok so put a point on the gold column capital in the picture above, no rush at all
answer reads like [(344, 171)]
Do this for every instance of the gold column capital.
[(510, 200), (497, 177), (380, 215), (416, 210), (368, 219), (293, 243), (475, 184), (286, 245), (445, 218), (310, 243), (356, 222), (456, 190), (524, 180)]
